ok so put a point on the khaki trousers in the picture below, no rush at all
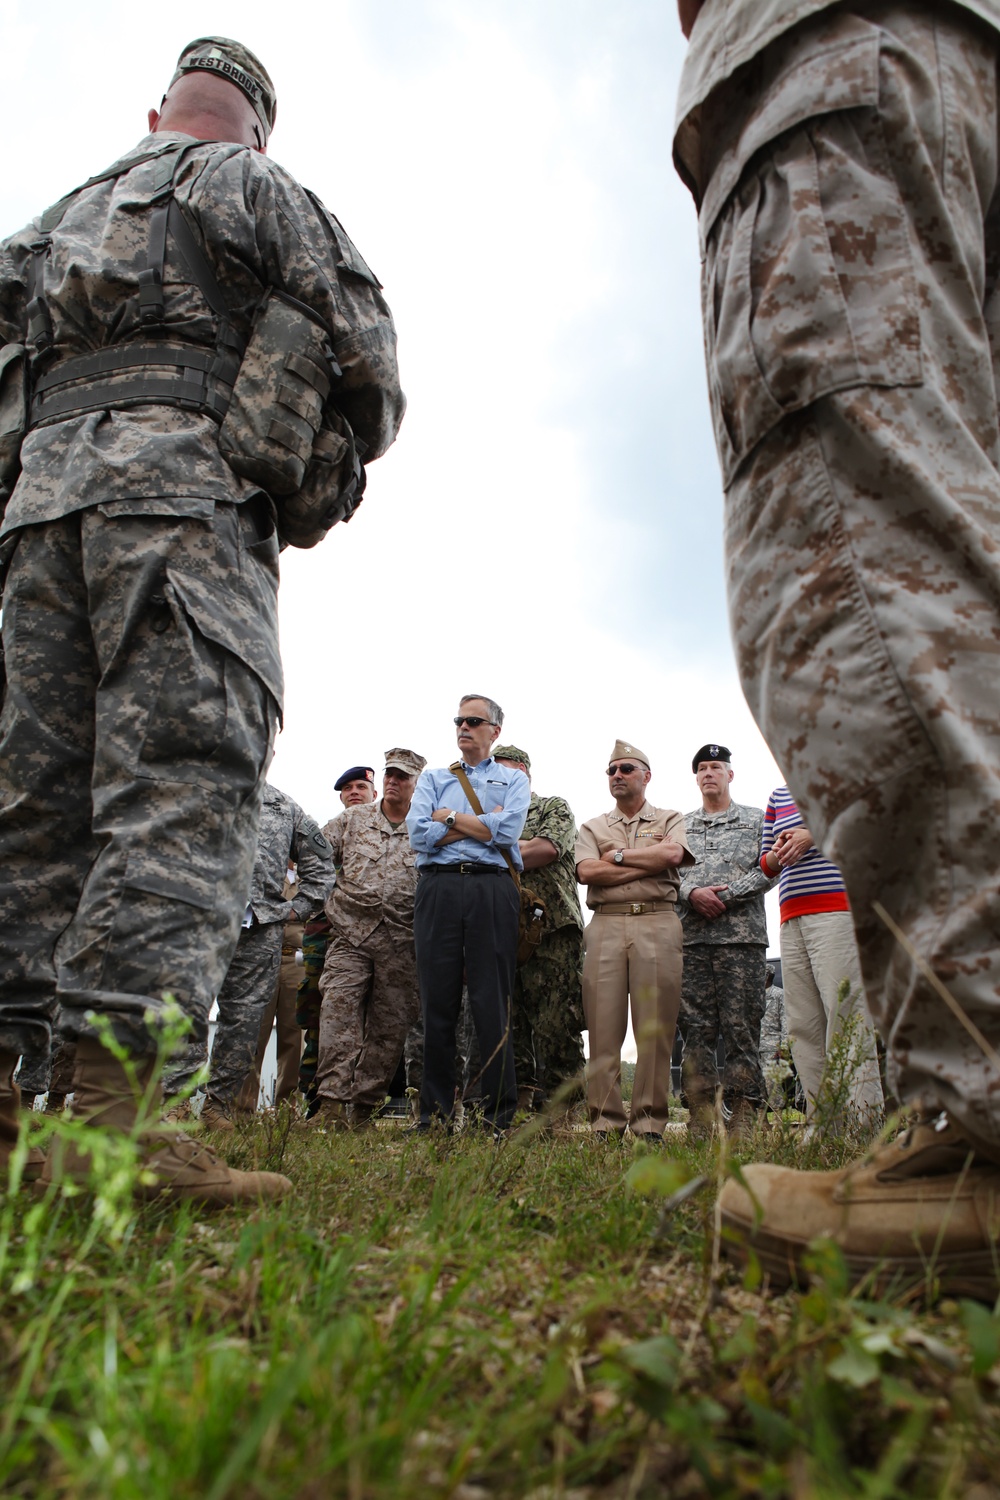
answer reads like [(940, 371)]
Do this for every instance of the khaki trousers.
[(818, 953), (638, 959), (851, 226)]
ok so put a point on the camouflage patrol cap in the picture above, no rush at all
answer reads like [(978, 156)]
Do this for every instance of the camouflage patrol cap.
[(710, 752), (236, 64), (354, 773), (511, 752), (623, 751), (405, 760)]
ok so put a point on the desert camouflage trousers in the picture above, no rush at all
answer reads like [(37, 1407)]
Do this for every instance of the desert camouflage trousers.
[(370, 1003), (548, 1013), (722, 995), (851, 223), (133, 750)]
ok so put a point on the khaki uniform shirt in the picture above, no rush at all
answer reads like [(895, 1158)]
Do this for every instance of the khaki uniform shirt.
[(552, 818), (727, 35), (614, 831), (376, 874)]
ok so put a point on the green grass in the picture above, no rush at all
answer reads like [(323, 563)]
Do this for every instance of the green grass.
[(431, 1318)]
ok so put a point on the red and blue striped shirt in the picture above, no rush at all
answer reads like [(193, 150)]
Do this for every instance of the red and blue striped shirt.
[(813, 885)]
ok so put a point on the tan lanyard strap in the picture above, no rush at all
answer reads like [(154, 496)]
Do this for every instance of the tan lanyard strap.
[(477, 808)]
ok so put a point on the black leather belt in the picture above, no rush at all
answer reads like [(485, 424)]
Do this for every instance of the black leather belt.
[(464, 869)]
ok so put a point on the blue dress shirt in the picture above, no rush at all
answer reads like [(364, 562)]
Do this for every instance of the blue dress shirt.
[(492, 784)]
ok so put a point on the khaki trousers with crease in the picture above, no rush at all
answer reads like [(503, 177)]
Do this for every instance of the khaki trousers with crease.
[(633, 959)]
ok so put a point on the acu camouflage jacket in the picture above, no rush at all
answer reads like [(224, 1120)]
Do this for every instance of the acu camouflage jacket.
[(288, 835), (726, 848)]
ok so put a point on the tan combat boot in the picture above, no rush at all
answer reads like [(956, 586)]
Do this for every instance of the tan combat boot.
[(703, 1119), (10, 1120), (184, 1169), (742, 1124), (214, 1117), (330, 1114), (924, 1209)]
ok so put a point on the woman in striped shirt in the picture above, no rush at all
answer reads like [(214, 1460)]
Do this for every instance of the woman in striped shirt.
[(818, 952)]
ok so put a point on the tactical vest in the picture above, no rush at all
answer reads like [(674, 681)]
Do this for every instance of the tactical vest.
[(271, 397)]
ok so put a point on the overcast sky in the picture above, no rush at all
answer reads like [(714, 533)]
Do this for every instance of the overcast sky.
[(547, 528)]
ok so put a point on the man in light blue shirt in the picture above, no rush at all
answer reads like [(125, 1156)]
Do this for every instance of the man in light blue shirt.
[(466, 913)]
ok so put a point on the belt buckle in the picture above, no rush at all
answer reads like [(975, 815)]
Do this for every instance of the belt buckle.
[(638, 907), (463, 867)]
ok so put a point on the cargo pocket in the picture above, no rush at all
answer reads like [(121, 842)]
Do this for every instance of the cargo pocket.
[(808, 278), (211, 718)]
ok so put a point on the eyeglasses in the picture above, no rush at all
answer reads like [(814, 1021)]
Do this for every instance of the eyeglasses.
[(472, 722), (625, 767)]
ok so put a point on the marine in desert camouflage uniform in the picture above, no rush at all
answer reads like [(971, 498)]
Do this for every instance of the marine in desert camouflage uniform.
[(844, 162), (140, 606), (370, 998), (548, 1001), (725, 943), (287, 835)]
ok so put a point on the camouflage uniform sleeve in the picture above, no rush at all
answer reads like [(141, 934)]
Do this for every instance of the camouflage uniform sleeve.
[(555, 822), (314, 865), (13, 288), (303, 250), (333, 832)]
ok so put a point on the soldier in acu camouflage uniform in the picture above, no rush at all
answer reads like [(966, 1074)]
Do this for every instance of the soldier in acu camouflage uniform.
[(844, 161), (548, 1002), (287, 836), (725, 943), (140, 606), (370, 998)]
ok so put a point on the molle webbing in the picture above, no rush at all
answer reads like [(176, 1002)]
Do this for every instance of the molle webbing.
[(132, 375)]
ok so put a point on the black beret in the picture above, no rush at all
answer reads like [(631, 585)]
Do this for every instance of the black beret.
[(710, 752), (354, 773)]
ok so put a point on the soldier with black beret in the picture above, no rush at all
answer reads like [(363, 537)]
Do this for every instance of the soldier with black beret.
[(725, 944)]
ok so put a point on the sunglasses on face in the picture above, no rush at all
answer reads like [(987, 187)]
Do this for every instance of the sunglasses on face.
[(626, 768), (472, 722)]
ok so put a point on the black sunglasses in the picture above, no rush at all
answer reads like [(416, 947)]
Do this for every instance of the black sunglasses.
[(472, 722), (626, 768)]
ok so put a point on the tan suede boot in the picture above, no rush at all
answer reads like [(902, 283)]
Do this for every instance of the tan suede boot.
[(10, 1120), (330, 1114), (184, 1169), (214, 1117), (924, 1209), (702, 1118), (742, 1124)]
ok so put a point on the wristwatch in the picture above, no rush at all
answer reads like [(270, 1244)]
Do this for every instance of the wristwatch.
[(619, 856), (449, 821)]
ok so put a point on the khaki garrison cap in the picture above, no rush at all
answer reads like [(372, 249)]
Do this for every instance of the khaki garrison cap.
[(622, 751), (236, 64), (407, 761), (511, 752)]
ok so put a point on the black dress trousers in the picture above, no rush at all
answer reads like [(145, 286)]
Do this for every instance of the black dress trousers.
[(465, 927)]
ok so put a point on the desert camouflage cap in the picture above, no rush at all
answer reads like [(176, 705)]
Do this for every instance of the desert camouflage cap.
[(624, 751), (236, 64), (511, 752), (405, 760)]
